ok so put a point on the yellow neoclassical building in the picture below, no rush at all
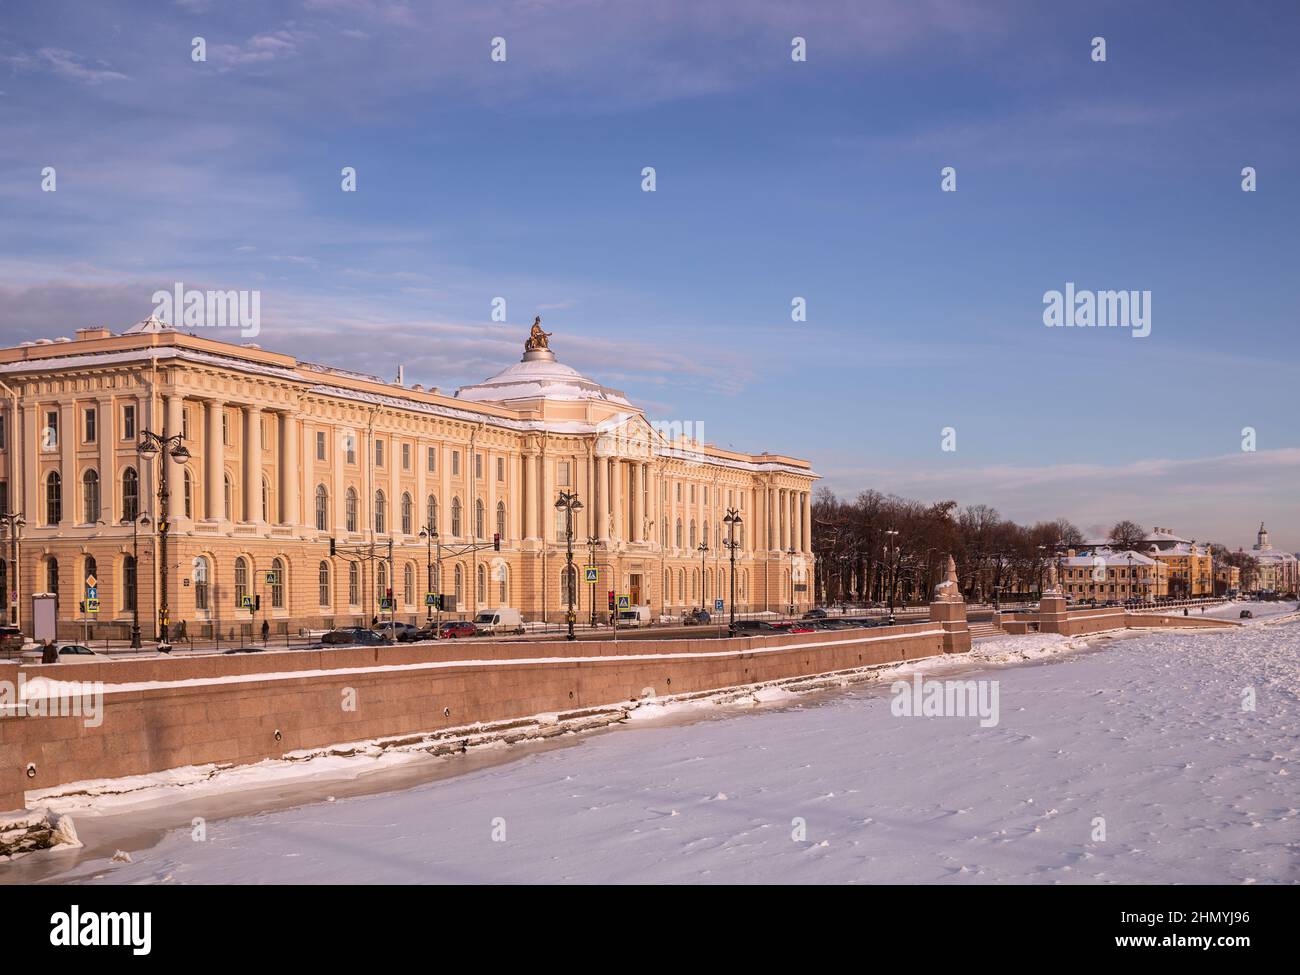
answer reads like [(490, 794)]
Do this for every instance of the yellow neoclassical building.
[(310, 491)]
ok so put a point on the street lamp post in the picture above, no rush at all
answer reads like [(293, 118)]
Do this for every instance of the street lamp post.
[(592, 542), (136, 520), (891, 573), (703, 549), (152, 443), (792, 552), (429, 533), (731, 520), (568, 503), (12, 523)]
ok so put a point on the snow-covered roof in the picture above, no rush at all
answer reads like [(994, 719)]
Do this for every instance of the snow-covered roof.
[(539, 375), (1108, 558)]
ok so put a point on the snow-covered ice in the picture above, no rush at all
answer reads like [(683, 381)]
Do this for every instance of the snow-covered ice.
[(1144, 740)]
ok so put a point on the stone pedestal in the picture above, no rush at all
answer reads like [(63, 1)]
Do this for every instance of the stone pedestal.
[(1052, 613), (952, 614)]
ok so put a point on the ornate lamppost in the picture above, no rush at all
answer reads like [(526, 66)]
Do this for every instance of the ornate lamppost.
[(592, 543), (173, 446), (430, 534), (703, 549), (136, 519), (12, 522), (731, 520), (568, 503)]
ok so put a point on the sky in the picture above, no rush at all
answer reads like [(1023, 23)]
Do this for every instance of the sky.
[(775, 179)]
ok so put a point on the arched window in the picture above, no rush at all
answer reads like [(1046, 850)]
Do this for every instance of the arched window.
[(323, 581), (381, 510), (266, 500), (188, 495), (322, 508), (241, 581), (90, 496), (277, 587), (408, 583), (455, 517), (663, 532), (201, 580), (130, 494), (431, 512), (480, 591), (228, 496), (350, 510), (52, 576), (704, 536), (129, 583), (381, 579), (501, 519), (53, 499), (692, 533), (678, 535), (668, 586), (91, 568), (695, 583), (503, 584), (681, 585), (478, 518), (460, 586), (354, 584), (406, 513)]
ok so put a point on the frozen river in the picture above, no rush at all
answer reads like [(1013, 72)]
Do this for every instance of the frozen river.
[(1135, 760)]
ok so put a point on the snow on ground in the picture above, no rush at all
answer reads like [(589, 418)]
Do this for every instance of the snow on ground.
[(1262, 611), (1147, 733)]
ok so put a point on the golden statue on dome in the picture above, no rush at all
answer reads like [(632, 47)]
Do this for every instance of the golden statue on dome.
[(536, 337)]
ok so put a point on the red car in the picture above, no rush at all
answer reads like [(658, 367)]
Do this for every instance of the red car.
[(453, 629)]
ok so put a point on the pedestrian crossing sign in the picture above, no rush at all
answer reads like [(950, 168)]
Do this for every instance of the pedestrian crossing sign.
[(592, 574), (624, 602)]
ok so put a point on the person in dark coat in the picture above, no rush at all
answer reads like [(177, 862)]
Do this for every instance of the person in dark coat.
[(266, 630)]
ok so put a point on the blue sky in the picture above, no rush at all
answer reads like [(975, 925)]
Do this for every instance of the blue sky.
[(775, 179)]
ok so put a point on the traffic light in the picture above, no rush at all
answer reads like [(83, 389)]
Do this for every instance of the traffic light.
[(611, 599), (257, 602), (496, 541)]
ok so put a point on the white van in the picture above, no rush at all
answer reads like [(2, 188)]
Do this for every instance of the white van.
[(498, 621), (635, 616)]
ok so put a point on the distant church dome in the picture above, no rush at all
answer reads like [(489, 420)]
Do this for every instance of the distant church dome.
[(539, 375)]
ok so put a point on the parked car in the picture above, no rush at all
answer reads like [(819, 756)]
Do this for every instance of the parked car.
[(455, 629), (497, 621), (1245, 614), (799, 626), (815, 614), (830, 624), (696, 617), (11, 639), (634, 616), (77, 650), (353, 635), (248, 649), (398, 631), (754, 628)]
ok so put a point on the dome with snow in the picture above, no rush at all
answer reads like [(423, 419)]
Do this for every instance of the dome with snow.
[(540, 376)]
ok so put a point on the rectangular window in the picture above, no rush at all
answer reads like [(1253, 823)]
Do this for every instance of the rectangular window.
[(128, 422), (431, 460), (225, 430), (379, 453), (4, 497), (4, 430), (501, 468), (91, 416), (679, 492), (564, 472), (320, 445), (350, 449), (478, 467), (455, 463), (185, 424), (406, 456), (692, 494), (50, 440)]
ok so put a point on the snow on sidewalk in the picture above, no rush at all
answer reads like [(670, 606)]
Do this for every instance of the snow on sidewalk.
[(1147, 737)]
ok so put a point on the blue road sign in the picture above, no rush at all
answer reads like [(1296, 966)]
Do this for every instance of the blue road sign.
[(717, 605)]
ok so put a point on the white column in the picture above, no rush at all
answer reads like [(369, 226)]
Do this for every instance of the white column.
[(617, 497), (107, 432), (214, 463), (602, 498), (252, 463), (529, 499), (290, 464)]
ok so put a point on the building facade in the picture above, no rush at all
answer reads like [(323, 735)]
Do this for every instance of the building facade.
[(414, 491), (1105, 575), (1191, 566), (1277, 571)]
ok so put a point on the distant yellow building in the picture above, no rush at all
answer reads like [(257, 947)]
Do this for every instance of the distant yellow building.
[(1191, 566), (1104, 575)]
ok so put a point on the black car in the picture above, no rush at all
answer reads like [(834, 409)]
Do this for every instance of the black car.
[(751, 627), (353, 636), (696, 617), (815, 614)]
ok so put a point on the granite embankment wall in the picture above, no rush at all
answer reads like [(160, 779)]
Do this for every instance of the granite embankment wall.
[(161, 713)]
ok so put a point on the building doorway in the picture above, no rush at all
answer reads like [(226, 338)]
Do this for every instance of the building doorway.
[(634, 588)]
